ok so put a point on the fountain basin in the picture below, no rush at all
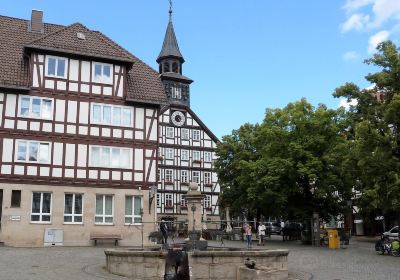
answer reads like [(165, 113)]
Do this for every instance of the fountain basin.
[(224, 264)]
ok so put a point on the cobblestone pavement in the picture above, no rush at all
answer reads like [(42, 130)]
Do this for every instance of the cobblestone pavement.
[(358, 262)]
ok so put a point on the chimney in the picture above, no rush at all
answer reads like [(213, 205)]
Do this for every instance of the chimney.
[(36, 23)]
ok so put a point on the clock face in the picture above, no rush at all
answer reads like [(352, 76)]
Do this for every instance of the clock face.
[(178, 118)]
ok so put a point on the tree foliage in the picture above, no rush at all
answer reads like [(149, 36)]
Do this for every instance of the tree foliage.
[(288, 165), (373, 129)]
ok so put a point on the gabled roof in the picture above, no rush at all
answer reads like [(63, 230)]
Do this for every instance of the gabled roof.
[(170, 46), (144, 83), (66, 40)]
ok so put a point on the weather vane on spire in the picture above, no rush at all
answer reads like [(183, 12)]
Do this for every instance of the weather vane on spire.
[(170, 10)]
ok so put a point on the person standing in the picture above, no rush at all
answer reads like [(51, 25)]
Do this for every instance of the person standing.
[(247, 231), (261, 234), (164, 231)]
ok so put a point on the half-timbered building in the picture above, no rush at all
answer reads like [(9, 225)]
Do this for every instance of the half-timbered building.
[(187, 146), (78, 135)]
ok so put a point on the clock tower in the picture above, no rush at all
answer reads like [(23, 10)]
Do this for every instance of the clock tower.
[(170, 62), (186, 146)]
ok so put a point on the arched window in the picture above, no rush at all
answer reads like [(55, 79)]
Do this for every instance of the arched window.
[(166, 66), (175, 67)]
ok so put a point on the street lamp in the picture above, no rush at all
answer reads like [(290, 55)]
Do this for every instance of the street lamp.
[(141, 217)]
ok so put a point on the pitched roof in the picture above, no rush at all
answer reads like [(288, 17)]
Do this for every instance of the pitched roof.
[(67, 41), (170, 46), (144, 83)]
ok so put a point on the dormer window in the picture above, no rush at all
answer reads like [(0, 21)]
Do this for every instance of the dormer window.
[(56, 67), (102, 73)]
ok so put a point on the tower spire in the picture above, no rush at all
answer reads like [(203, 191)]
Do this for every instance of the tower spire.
[(170, 10)]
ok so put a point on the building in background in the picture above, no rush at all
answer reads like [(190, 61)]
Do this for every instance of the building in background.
[(187, 146)]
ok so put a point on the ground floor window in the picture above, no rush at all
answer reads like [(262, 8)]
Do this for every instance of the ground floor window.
[(104, 209), (133, 209), (73, 208), (41, 207)]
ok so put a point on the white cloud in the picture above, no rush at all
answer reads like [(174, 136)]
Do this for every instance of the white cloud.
[(356, 22), (385, 10), (350, 55), (377, 38), (344, 103), (353, 5)]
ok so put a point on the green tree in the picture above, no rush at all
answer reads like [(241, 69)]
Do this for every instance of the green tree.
[(373, 130), (288, 165)]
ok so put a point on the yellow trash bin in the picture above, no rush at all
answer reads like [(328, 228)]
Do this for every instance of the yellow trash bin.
[(333, 237)]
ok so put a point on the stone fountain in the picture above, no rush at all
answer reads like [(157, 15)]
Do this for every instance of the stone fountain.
[(194, 260)]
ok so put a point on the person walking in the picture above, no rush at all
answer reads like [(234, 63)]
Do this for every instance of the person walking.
[(261, 234), (247, 231)]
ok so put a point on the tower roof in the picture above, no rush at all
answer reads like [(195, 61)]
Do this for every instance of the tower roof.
[(170, 46)]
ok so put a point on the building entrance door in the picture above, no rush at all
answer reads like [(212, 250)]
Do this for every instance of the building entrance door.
[(1, 205)]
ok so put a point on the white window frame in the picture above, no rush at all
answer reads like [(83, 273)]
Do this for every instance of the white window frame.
[(66, 69), (196, 135), (169, 132), (73, 214), (196, 155), (169, 197), (207, 178), (207, 157), (132, 215), (207, 201), (112, 122), (103, 79), (197, 176), (158, 199), (120, 166), (169, 153), (183, 201), (41, 214), (103, 215), (185, 134), (28, 142), (185, 154), (30, 114), (167, 171), (176, 92), (184, 176)]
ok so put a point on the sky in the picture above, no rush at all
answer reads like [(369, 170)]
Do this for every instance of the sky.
[(244, 56)]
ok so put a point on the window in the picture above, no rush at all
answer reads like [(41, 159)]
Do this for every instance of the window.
[(183, 201), (196, 176), (102, 73), (207, 156), (170, 132), (110, 157), (56, 67), (207, 201), (35, 107), (16, 198), (184, 176), (33, 151), (185, 155), (158, 200), (176, 92), (73, 208), (111, 115), (207, 178), (168, 200), (133, 209), (41, 207), (185, 134), (196, 155), (104, 209), (158, 175), (168, 175), (169, 153), (196, 135)]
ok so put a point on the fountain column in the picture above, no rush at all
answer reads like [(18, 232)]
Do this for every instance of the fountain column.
[(194, 200)]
